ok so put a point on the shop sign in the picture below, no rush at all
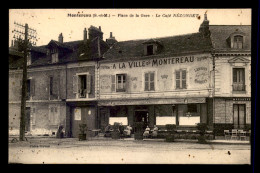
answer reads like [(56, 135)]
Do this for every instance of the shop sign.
[(154, 62), (242, 99), (152, 101)]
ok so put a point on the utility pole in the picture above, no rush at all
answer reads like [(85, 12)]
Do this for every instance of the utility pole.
[(23, 46)]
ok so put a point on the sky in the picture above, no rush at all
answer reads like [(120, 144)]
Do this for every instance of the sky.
[(150, 23)]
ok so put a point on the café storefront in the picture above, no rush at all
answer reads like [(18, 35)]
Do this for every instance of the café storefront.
[(185, 113)]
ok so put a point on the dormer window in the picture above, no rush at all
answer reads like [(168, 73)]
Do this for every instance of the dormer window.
[(54, 56), (151, 47), (29, 59), (238, 42), (150, 50)]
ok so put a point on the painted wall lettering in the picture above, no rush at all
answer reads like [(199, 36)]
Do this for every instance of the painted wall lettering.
[(201, 75)]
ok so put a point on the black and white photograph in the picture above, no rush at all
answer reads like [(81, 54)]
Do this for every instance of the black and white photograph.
[(129, 86)]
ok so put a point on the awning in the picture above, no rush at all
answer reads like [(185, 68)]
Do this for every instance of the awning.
[(151, 101)]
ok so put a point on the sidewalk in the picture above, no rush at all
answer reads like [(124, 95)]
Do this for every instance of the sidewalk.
[(53, 139)]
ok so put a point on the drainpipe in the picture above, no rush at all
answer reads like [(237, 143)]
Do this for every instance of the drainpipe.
[(213, 93)]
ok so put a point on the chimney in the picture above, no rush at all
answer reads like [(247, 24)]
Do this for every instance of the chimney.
[(204, 27), (94, 32), (60, 38), (111, 40), (85, 35)]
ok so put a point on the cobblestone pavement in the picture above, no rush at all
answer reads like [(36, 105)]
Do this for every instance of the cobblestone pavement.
[(109, 151)]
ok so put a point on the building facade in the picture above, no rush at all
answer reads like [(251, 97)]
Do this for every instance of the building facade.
[(157, 81), (202, 77), (61, 80), (232, 57)]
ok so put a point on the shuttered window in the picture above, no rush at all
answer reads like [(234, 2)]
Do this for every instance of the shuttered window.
[(54, 115), (120, 82), (82, 85), (149, 81), (238, 42), (238, 79), (181, 79)]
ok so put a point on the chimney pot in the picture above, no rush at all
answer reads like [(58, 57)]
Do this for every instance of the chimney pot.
[(205, 16), (99, 28), (111, 35), (60, 38), (85, 34)]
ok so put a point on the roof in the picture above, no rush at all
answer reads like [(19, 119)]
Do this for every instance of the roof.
[(220, 33), (172, 45), (15, 58), (75, 51)]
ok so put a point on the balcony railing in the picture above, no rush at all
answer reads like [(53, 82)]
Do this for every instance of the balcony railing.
[(82, 93), (239, 87)]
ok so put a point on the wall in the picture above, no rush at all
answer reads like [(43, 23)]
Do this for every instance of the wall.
[(40, 101), (75, 68), (224, 111), (223, 77), (198, 77)]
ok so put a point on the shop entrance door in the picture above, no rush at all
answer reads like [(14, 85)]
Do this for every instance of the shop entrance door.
[(142, 116), (239, 116)]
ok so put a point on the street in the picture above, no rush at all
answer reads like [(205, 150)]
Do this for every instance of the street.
[(108, 151)]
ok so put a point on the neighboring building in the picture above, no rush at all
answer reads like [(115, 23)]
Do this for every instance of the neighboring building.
[(232, 55), (52, 93), (158, 81)]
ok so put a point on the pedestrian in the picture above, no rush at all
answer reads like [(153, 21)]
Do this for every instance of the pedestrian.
[(60, 133)]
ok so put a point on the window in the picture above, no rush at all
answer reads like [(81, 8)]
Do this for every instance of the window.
[(120, 82), (54, 57), (192, 108), (150, 50), (51, 85), (83, 85), (238, 79), (238, 42), (239, 115), (149, 81), (181, 79), (29, 62), (53, 115)]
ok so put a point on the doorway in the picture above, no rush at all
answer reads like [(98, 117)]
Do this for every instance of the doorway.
[(142, 116), (239, 115)]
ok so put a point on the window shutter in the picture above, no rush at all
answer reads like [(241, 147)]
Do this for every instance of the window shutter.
[(58, 86), (184, 79), (234, 75), (146, 84), (177, 79), (33, 116), (88, 83), (32, 87), (113, 83), (152, 81), (126, 83), (75, 84)]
